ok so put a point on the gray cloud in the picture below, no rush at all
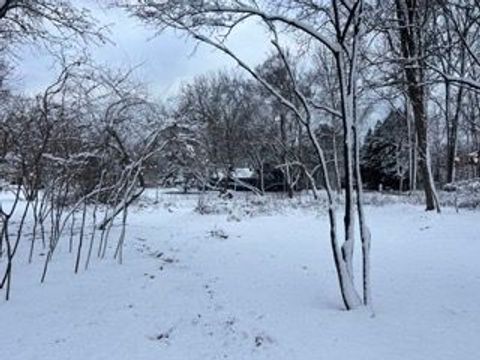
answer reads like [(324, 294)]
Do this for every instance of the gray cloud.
[(166, 60)]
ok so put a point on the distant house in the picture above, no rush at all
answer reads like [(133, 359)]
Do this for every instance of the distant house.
[(468, 165), (474, 157), (248, 179), (246, 174), (236, 179)]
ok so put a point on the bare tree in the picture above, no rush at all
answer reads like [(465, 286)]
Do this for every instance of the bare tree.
[(341, 34), (80, 147), (216, 108), (412, 16), (46, 22)]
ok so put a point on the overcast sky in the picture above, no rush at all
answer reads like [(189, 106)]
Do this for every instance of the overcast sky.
[(167, 60)]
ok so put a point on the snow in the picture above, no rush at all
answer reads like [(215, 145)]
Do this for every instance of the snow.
[(243, 173), (466, 192), (232, 285), (238, 173)]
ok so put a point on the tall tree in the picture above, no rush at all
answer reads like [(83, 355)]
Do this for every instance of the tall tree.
[(413, 16)]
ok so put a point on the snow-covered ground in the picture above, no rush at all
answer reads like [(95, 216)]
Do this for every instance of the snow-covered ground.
[(232, 285)]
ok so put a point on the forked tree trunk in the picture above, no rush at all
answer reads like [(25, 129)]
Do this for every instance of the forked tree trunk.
[(365, 235), (349, 294)]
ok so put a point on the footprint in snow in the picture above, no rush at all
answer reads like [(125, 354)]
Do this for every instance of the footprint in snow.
[(162, 337)]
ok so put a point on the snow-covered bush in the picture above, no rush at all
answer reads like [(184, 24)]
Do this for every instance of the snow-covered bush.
[(466, 193)]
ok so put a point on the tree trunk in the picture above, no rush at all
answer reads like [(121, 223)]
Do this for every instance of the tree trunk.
[(452, 134), (420, 117), (262, 178), (338, 180), (349, 294), (287, 179), (414, 162), (411, 15), (347, 103), (412, 147)]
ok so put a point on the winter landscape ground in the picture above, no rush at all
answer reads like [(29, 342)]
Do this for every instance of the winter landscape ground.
[(250, 278)]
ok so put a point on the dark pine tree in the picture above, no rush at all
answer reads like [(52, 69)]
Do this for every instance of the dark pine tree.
[(384, 155)]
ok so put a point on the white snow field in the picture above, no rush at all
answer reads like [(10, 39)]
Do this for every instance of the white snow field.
[(233, 285)]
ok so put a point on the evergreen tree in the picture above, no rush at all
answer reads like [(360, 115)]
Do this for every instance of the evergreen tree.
[(384, 155)]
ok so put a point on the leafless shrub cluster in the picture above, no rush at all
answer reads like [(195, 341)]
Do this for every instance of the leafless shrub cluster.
[(76, 155)]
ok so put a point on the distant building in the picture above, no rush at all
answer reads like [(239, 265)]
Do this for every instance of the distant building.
[(247, 179), (468, 165)]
